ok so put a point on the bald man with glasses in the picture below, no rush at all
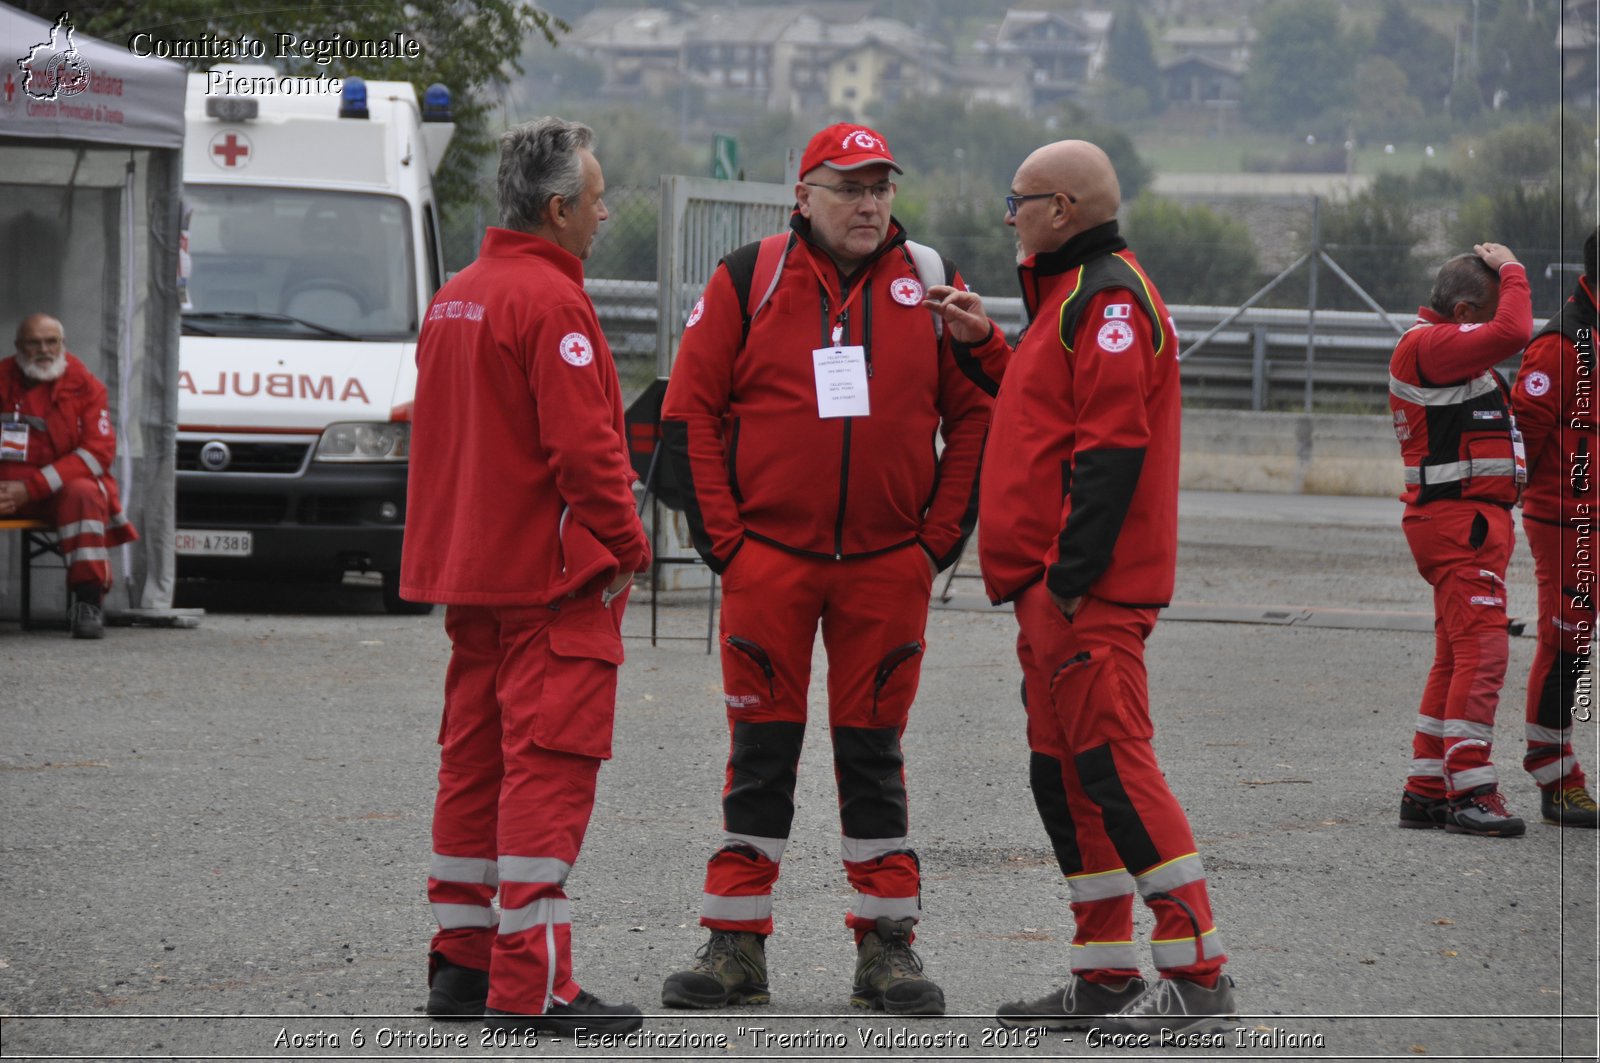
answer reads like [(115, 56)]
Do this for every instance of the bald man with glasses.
[(803, 419)]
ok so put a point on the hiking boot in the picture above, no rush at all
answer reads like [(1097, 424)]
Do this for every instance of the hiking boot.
[(889, 974), (586, 1012), (1423, 813), (1177, 1006), (455, 992), (731, 968), (1483, 812), (87, 623), (1569, 806), (1077, 1007)]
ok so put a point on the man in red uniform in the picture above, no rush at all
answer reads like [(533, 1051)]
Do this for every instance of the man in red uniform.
[(1079, 511), (1463, 471), (1555, 396), (805, 437), (57, 444), (522, 522)]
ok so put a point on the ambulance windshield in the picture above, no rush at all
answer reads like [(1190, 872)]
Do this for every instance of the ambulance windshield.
[(298, 264)]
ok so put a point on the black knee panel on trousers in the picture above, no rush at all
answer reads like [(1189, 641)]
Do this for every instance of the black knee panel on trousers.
[(1050, 797), (872, 788), (1097, 770), (760, 797), (1557, 690)]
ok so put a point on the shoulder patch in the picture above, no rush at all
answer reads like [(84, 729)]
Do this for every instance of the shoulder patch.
[(1119, 310), (697, 313), (1536, 383), (1115, 337), (576, 349)]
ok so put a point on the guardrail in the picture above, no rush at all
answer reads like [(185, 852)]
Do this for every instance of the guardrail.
[(1258, 362)]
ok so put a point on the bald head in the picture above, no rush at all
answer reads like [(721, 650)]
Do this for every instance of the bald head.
[(1087, 194)]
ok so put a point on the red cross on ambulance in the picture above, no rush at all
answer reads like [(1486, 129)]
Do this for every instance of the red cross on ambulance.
[(231, 150)]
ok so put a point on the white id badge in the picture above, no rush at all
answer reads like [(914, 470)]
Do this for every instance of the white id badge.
[(13, 441), (1519, 457), (841, 381)]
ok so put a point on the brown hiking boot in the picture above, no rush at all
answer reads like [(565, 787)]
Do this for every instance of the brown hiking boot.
[(731, 968), (889, 974)]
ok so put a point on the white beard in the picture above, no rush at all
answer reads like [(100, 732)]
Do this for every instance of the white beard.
[(43, 374)]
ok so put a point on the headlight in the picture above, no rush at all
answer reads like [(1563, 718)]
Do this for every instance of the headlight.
[(365, 441)]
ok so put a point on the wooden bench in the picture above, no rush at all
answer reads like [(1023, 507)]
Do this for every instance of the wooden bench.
[(38, 538)]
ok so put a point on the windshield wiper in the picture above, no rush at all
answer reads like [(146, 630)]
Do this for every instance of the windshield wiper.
[(256, 315)]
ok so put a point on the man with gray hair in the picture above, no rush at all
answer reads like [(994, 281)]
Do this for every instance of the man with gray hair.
[(57, 445), (522, 523), (1464, 470)]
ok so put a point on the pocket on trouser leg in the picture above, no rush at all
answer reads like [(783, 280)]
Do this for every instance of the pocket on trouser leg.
[(749, 678), (577, 705), (1097, 700)]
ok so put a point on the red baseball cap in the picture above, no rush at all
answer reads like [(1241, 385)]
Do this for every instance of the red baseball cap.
[(847, 146)]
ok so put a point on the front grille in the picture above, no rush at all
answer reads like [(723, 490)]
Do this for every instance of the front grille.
[(198, 510), (286, 458), (331, 509)]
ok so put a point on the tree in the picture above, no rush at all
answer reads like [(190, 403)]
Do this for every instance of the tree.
[(1301, 65), (1384, 105), (1518, 65), (1133, 87), (1372, 237), (1543, 226), (1425, 55), (469, 46), (1195, 255)]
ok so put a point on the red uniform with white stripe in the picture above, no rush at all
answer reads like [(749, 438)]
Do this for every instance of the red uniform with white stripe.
[(1458, 441), (1555, 396), (66, 464), (821, 521), (1080, 497), (521, 512)]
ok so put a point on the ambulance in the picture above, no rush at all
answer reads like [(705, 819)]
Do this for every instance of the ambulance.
[(310, 250)]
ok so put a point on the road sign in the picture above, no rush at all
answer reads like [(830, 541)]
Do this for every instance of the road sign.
[(724, 157)]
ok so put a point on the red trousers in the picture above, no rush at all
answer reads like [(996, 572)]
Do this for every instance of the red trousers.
[(1113, 822), (530, 698), (1461, 549), (79, 512), (1564, 564), (873, 613)]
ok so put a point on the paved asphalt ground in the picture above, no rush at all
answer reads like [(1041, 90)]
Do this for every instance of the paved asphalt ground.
[(215, 840)]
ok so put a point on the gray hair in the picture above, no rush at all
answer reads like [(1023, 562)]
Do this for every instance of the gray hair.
[(539, 161), (1463, 279)]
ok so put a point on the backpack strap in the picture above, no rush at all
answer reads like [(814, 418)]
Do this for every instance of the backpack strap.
[(754, 270), (932, 268)]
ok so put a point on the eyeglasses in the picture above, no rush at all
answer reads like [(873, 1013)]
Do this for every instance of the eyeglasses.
[(1013, 202), (851, 192)]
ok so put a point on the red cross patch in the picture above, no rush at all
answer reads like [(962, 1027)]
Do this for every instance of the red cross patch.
[(576, 349)]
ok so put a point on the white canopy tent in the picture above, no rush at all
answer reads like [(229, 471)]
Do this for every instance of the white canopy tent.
[(91, 142)]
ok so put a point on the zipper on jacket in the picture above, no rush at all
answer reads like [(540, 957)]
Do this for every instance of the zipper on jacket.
[(754, 651), (866, 326), (733, 461), (886, 668)]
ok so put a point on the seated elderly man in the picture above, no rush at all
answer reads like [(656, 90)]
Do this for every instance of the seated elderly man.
[(56, 448)]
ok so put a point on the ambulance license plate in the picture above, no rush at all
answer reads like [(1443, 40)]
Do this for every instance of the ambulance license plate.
[(212, 543)]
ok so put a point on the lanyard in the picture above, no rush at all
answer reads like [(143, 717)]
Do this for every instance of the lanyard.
[(844, 309)]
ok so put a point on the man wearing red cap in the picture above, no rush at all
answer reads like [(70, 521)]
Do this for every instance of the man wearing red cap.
[(802, 420)]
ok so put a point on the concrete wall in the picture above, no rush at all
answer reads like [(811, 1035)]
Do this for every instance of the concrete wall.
[(1292, 453)]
